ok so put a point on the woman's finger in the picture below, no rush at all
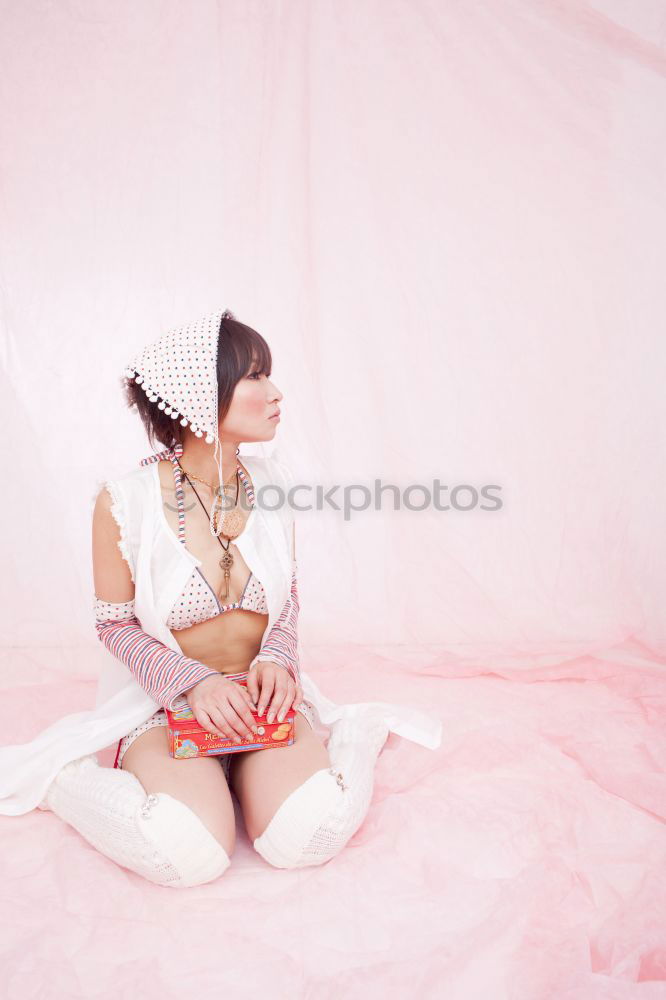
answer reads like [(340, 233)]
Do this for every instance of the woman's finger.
[(233, 722), (219, 716), (267, 688), (279, 694), (246, 720), (252, 685), (202, 719), (287, 703), (210, 721), (251, 704)]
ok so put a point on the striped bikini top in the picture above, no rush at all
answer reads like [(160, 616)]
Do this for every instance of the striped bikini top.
[(198, 601)]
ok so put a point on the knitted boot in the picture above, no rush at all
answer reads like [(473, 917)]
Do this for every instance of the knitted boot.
[(320, 816), (156, 836)]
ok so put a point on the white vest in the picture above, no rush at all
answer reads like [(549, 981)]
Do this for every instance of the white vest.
[(161, 567)]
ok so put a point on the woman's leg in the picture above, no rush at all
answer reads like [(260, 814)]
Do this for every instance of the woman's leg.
[(303, 803), (199, 782), (177, 829), (263, 779)]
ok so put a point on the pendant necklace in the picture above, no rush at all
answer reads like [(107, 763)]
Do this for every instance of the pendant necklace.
[(229, 525)]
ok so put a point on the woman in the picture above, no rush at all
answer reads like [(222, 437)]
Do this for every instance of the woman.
[(196, 591)]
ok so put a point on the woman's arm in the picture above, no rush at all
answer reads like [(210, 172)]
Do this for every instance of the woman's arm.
[(281, 643), (161, 671)]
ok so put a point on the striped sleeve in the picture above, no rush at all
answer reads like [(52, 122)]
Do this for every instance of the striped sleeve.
[(162, 672), (281, 643)]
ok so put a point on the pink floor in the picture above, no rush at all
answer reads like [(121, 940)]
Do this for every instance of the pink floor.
[(524, 859)]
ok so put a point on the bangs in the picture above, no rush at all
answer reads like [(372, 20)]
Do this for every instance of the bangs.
[(240, 350)]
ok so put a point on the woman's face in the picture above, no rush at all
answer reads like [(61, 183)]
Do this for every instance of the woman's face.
[(251, 414)]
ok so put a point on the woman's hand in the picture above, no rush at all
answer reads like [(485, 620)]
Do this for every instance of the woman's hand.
[(270, 684), (223, 707)]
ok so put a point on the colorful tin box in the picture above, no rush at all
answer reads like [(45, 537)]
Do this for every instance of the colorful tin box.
[(187, 738)]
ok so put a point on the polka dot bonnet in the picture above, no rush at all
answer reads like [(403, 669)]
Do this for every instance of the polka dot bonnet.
[(179, 372)]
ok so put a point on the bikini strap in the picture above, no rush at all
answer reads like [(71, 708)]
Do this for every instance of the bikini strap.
[(173, 454)]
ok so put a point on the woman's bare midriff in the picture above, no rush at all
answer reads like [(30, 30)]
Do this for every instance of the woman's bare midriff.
[(229, 641)]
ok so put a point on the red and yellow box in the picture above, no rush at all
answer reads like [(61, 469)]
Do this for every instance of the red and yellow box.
[(187, 738)]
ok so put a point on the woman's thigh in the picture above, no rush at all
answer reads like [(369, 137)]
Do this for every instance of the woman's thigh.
[(199, 782), (263, 780)]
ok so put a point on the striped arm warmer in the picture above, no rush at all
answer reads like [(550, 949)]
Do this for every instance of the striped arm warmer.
[(281, 643), (162, 672)]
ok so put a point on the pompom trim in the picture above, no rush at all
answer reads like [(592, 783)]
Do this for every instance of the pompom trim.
[(168, 408)]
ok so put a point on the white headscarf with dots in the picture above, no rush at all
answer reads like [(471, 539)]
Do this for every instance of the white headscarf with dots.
[(179, 372)]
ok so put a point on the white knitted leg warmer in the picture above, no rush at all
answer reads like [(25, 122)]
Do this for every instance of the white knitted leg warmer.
[(320, 816), (156, 836)]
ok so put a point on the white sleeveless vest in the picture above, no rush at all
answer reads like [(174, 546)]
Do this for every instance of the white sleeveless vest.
[(161, 566)]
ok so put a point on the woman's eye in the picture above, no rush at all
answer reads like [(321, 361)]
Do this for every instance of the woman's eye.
[(255, 374)]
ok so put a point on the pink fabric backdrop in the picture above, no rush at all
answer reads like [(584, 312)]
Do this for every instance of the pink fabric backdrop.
[(448, 221)]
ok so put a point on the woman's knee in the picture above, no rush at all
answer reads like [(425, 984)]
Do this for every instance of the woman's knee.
[(311, 826), (192, 855), (213, 808), (198, 783), (263, 780)]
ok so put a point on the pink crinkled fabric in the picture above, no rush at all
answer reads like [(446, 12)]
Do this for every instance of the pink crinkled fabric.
[(523, 859)]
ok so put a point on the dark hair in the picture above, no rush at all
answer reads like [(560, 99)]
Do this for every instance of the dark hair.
[(238, 346)]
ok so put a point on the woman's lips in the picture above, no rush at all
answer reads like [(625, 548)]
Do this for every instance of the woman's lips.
[(276, 416)]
